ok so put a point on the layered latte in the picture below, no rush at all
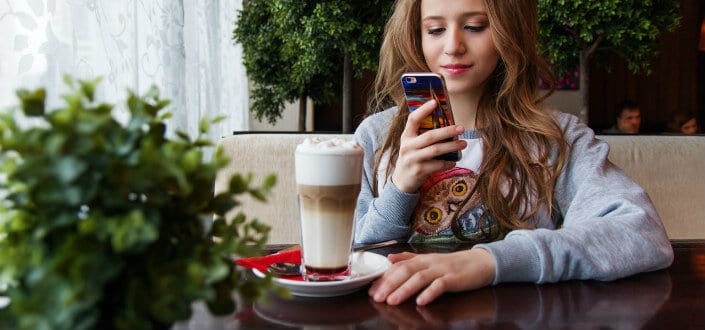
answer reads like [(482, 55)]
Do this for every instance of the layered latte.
[(328, 175)]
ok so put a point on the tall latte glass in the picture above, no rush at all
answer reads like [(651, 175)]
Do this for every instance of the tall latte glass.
[(328, 175)]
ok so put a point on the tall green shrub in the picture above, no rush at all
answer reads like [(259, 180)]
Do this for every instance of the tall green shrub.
[(296, 49), (578, 32)]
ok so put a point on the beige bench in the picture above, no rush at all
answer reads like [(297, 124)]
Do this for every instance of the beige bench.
[(672, 171), (670, 168)]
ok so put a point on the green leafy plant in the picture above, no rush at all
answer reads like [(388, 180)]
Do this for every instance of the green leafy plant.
[(294, 50), (576, 32), (105, 225)]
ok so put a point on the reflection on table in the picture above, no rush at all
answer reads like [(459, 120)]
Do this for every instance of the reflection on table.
[(671, 298)]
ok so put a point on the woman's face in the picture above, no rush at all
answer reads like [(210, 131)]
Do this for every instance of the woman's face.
[(690, 127), (457, 43)]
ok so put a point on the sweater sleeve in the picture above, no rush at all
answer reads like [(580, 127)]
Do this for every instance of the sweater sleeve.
[(386, 216), (610, 228)]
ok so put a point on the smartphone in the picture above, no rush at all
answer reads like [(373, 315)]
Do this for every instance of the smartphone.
[(419, 88)]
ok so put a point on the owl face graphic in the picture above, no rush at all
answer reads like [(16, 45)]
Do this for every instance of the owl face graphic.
[(444, 197)]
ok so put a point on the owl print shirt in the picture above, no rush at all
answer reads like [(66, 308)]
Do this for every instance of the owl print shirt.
[(446, 209), (449, 208)]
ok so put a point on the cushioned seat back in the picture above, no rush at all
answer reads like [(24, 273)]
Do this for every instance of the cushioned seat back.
[(670, 168), (262, 154), (672, 171)]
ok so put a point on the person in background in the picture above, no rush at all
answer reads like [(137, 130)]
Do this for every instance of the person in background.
[(534, 193), (628, 119), (684, 123)]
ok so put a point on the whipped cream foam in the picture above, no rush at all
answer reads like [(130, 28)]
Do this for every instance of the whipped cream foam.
[(335, 145), (331, 162)]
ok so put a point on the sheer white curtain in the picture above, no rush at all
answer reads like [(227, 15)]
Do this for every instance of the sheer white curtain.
[(184, 47)]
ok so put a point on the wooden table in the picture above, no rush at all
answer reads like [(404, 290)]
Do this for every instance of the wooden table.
[(669, 299)]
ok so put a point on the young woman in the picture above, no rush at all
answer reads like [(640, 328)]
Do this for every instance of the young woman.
[(684, 122), (534, 188)]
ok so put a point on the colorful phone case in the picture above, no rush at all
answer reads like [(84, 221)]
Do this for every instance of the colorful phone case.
[(420, 87)]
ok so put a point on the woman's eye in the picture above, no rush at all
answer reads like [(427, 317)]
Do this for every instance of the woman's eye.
[(435, 31), (473, 28)]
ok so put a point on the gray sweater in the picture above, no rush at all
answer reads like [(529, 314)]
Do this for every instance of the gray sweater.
[(605, 226)]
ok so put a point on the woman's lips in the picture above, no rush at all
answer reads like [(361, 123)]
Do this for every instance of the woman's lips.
[(456, 68)]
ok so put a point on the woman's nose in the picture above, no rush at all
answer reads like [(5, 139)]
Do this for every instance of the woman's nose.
[(455, 43)]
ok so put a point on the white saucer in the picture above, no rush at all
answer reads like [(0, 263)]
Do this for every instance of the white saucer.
[(366, 266)]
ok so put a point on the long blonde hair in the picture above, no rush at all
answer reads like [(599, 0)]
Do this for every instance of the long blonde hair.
[(519, 167)]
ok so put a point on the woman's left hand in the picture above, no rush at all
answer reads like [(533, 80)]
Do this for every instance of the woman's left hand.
[(432, 275)]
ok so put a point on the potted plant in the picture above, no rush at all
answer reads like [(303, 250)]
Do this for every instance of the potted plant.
[(104, 225), (299, 50), (579, 32)]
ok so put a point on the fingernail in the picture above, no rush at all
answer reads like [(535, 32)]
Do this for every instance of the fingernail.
[(460, 129)]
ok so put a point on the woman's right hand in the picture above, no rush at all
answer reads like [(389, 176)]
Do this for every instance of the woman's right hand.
[(417, 151)]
